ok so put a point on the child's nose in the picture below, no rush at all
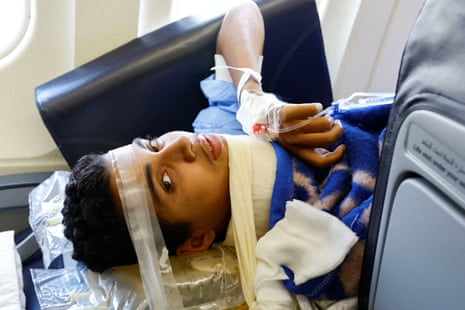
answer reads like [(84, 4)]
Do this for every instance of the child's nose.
[(180, 148)]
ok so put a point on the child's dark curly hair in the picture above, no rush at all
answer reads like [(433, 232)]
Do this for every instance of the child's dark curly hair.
[(99, 234)]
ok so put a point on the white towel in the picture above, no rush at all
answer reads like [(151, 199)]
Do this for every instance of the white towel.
[(308, 241), (11, 276)]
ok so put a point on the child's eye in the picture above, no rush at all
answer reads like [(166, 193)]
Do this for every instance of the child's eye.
[(166, 181), (153, 146)]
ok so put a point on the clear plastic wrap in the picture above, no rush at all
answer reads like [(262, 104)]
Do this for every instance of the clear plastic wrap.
[(208, 280), (80, 288), (45, 204)]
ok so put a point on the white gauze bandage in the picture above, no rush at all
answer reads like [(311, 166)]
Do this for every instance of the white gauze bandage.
[(254, 109), (139, 212)]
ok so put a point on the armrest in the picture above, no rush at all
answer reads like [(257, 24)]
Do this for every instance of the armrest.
[(14, 209), (151, 84)]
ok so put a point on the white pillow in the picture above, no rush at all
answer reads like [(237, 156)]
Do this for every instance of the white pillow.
[(11, 276)]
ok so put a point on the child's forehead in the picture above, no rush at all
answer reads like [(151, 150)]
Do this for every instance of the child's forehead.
[(140, 216), (127, 177)]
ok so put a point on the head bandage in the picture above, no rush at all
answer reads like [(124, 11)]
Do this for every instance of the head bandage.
[(157, 277)]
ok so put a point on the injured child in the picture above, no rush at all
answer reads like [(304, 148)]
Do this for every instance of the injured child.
[(289, 189)]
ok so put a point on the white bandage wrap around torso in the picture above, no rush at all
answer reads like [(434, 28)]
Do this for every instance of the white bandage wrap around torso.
[(252, 170), (307, 240)]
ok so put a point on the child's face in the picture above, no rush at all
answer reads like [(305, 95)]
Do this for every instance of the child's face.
[(188, 178)]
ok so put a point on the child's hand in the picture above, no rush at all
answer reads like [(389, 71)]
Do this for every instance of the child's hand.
[(310, 142)]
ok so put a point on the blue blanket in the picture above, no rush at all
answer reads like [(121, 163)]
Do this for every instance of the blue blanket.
[(344, 190)]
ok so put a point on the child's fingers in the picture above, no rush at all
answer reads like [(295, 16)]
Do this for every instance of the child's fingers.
[(313, 139), (319, 159), (319, 124), (293, 111)]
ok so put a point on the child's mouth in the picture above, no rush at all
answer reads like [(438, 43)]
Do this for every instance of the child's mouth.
[(213, 145)]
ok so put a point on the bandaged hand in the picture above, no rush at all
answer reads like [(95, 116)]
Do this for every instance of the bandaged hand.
[(311, 141), (311, 136)]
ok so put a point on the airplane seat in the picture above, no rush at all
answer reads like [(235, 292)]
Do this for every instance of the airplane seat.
[(151, 84), (416, 247), (142, 87)]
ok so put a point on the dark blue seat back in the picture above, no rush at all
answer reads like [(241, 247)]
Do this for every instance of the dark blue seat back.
[(151, 84)]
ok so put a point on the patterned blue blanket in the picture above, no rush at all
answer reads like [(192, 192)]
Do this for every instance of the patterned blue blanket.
[(344, 190)]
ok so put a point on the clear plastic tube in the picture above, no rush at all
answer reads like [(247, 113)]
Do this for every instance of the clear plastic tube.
[(274, 123), (275, 127)]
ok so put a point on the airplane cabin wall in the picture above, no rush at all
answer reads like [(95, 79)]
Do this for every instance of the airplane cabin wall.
[(60, 36), (46, 50), (364, 40)]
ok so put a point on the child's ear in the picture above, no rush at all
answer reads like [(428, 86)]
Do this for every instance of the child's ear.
[(198, 242)]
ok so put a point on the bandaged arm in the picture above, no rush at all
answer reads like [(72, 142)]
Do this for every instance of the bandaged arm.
[(253, 108)]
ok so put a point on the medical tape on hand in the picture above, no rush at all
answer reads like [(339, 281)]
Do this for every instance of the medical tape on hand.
[(152, 255), (255, 110)]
